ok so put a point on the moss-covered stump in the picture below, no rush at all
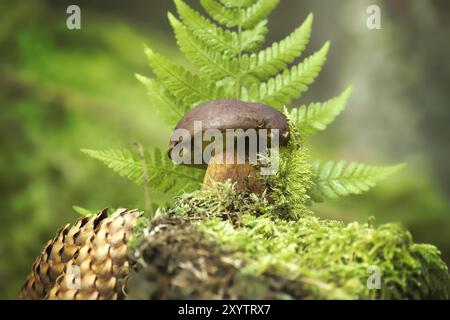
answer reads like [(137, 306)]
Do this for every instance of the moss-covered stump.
[(178, 261), (217, 243)]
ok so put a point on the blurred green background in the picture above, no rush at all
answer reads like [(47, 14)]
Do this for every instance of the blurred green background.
[(62, 90)]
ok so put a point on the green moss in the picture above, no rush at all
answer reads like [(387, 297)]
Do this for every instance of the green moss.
[(138, 232), (290, 185), (176, 260), (329, 259)]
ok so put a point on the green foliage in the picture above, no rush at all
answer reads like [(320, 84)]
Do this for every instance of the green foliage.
[(166, 105), (282, 89), (227, 62), (184, 85), (279, 55), (317, 116), (212, 64), (164, 175), (333, 179), (241, 15), (221, 40)]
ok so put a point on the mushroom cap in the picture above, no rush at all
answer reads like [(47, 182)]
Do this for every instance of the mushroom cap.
[(234, 114)]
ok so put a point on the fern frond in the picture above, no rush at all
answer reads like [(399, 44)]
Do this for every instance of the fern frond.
[(166, 105), (277, 57), (332, 179), (164, 175), (213, 64), (245, 17), (221, 40), (289, 85), (317, 116), (181, 83)]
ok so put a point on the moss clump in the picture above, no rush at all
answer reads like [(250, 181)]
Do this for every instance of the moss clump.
[(289, 187), (332, 258), (328, 259), (175, 260)]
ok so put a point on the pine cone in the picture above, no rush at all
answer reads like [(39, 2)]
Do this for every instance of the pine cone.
[(85, 261)]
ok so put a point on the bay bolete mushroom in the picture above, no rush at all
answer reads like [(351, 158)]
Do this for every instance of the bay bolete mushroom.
[(238, 129)]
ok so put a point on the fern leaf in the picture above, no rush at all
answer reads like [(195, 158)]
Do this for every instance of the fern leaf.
[(257, 12), (277, 57), (246, 18), (181, 83), (166, 105), (252, 39), (124, 162), (289, 85), (229, 17), (218, 39), (317, 116), (206, 30), (164, 176), (211, 63), (332, 180)]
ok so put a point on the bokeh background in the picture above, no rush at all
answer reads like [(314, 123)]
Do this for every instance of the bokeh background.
[(63, 90)]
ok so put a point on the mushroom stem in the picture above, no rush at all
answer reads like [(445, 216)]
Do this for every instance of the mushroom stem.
[(244, 176)]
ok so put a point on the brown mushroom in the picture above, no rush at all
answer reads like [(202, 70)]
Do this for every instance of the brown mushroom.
[(222, 115)]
